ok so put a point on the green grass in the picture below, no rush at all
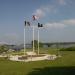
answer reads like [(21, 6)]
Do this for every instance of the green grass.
[(61, 66), (42, 50)]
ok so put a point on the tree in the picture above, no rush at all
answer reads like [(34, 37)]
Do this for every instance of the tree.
[(3, 48), (36, 44), (68, 49)]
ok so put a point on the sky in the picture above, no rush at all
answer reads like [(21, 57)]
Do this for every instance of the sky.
[(57, 17)]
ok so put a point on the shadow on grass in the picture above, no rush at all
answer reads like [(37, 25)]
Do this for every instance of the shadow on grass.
[(53, 71)]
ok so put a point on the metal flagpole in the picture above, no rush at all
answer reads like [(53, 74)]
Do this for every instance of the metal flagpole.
[(33, 38), (38, 41), (24, 41)]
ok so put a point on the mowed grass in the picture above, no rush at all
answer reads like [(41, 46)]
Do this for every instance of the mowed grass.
[(61, 66), (42, 50)]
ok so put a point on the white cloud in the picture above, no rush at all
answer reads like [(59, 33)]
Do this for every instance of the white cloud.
[(54, 25), (44, 10), (41, 12), (62, 2), (60, 24), (69, 22)]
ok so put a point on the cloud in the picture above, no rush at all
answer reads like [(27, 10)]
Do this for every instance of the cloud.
[(62, 2), (69, 22), (44, 10), (60, 24), (41, 12), (54, 25)]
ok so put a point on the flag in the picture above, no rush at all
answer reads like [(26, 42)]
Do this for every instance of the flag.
[(34, 17), (27, 23), (40, 25)]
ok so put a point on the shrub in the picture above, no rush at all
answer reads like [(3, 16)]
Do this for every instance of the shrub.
[(68, 49)]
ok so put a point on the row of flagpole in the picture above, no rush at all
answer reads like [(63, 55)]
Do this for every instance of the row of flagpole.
[(39, 25), (33, 41)]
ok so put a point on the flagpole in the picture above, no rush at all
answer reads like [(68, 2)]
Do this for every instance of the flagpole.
[(24, 42), (33, 38), (38, 41)]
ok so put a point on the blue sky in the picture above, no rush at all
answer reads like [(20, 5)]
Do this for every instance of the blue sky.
[(58, 17)]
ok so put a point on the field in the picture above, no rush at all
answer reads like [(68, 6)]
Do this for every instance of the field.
[(61, 66)]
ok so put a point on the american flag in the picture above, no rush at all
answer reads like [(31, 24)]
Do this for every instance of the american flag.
[(34, 17)]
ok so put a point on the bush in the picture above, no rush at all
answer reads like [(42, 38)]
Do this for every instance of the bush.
[(68, 49), (3, 48)]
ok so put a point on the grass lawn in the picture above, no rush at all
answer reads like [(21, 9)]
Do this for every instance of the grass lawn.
[(61, 66), (42, 50)]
